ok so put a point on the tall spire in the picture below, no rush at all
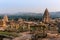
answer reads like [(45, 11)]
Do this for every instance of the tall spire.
[(46, 16), (46, 13), (6, 18)]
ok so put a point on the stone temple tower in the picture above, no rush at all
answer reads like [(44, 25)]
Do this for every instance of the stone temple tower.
[(46, 16), (5, 18)]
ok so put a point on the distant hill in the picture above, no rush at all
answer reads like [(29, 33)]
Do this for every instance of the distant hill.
[(55, 14), (29, 15)]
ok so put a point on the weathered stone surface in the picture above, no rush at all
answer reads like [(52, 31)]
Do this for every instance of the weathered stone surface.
[(46, 16)]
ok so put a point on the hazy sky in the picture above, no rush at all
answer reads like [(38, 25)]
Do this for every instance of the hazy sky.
[(14, 6)]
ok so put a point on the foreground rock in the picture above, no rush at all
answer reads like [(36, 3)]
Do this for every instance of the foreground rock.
[(27, 36), (24, 36)]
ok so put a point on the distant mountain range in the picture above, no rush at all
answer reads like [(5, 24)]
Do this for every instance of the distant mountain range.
[(28, 14), (53, 14)]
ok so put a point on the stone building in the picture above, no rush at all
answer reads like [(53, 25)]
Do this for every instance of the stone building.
[(5, 18), (2, 24), (46, 16)]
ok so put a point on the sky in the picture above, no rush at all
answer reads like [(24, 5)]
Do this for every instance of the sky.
[(36, 6)]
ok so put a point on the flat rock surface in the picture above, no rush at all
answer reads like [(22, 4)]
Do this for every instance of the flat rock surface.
[(24, 36), (27, 36)]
